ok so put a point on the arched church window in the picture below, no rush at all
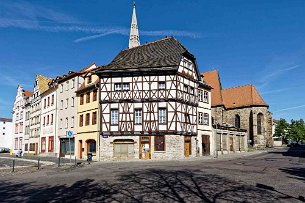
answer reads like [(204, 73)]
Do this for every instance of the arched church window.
[(259, 123), (237, 121)]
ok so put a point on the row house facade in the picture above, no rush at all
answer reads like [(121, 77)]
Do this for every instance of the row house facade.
[(87, 137), (19, 117), (149, 104), (66, 119), (48, 138), (40, 86)]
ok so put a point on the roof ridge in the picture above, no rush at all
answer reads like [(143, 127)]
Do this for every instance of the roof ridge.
[(149, 43), (215, 70), (237, 86)]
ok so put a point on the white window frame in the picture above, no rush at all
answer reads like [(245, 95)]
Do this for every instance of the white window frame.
[(138, 116), (72, 102), (200, 118), (114, 119), (161, 85), (162, 115), (125, 86), (206, 118), (117, 87), (206, 97)]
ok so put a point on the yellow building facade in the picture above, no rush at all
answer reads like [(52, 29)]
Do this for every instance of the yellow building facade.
[(87, 137)]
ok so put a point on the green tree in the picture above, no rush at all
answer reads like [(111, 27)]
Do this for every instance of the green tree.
[(282, 128), (297, 130)]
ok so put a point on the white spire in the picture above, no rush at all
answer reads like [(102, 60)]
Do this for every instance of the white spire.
[(134, 40)]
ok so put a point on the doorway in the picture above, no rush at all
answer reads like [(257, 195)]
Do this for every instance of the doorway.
[(206, 145), (187, 146), (145, 149), (80, 149)]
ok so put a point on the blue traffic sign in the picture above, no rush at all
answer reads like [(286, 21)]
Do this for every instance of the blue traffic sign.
[(69, 134)]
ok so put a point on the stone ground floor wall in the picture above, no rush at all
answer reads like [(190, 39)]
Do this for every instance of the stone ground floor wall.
[(174, 147), (231, 142), (81, 148), (33, 141)]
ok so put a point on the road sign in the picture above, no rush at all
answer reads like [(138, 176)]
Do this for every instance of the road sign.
[(69, 134)]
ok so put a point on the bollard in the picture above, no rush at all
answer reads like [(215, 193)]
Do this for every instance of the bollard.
[(59, 161), (38, 162), (75, 161), (13, 165)]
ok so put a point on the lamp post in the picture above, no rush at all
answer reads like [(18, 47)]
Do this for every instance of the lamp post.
[(215, 140)]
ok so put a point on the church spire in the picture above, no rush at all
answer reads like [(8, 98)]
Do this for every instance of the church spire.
[(134, 40)]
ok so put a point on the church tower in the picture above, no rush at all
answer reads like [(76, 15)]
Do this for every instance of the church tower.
[(134, 40)]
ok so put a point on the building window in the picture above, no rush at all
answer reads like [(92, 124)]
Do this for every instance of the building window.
[(48, 119), (72, 102), (187, 118), (117, 86), (67, 103), (91, 146), (259, 123), (61, 87), (162, 116), (60, 124), (43, 144), (81, 120), (138, 116), (125, 86), (160, 143), (61, 104), (200, 118), (114, 116), (67, 85), (87, 119), (72, 122), (206, 97), (51, 119), (89, 79), (123, 148), (185, 88), (94, 95), (16, 143), (88, 97), (48, 101), (52, 101), (72, 83), (44, 120), (94, 118), (51, 144), (191, 90), (205, 119), (81, 101), (161, 86), (237, 121), (67, 122)]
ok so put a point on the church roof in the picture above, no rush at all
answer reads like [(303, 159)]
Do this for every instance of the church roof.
[(242, 96), (212, 78), (6, 119), (164, 54), (236, 97)]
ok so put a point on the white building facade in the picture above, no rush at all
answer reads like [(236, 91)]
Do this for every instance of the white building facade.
[(6, 133)]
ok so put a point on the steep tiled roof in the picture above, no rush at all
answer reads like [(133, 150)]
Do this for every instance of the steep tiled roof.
[(235, 97), (242, 96), (27, 93), (43, 83), (6, 119), (163, 53), (212, 78)]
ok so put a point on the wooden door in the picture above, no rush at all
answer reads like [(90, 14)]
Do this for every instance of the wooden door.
[(36, 148), (145, 147), (206, 145), (187, 146), (80, 149)]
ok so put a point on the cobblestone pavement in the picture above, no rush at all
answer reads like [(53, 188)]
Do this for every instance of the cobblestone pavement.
[(274, 176)]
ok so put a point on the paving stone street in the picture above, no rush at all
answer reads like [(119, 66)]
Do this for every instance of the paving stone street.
[(273, 176)]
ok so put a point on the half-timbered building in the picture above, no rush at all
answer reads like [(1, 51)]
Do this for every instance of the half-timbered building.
[(149, 103)]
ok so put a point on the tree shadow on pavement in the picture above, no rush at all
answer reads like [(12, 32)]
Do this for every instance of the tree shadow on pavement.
[(144, 186), (292, 152), (295, 172)]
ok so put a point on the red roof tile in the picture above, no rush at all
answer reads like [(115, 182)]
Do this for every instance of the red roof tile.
[(212, 78)]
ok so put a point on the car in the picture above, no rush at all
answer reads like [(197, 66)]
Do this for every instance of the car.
[(4, 150)]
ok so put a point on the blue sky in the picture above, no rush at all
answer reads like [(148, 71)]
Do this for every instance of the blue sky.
[(249, 41)]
